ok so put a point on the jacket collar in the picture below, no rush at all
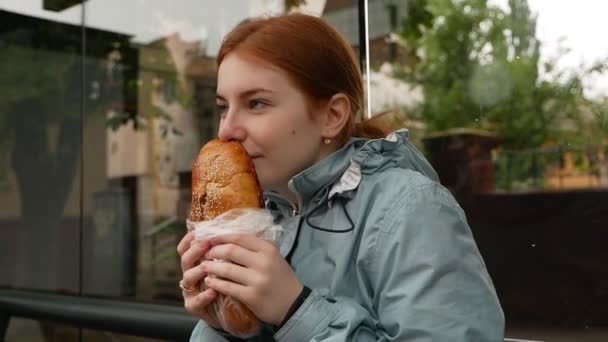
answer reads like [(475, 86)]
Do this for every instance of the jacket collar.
[(312, 183)]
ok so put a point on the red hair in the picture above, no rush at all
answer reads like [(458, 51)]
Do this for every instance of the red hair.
[(315, 56)]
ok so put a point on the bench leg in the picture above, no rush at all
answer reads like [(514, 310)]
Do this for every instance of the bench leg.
[(4, 320)]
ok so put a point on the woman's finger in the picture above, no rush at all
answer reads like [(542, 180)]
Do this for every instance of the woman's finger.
[(184, 244), (233, 253), (229, 271), (198, 304), (228, 288), (193, 277), (194, 254)]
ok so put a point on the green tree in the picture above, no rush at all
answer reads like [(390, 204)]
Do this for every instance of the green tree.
[(46, 83), (479, 66), (41, 89)]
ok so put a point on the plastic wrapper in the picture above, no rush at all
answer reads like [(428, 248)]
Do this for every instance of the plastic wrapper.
[(234, 317)]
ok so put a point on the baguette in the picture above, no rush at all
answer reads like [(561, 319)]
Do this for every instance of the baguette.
[(224, 178)]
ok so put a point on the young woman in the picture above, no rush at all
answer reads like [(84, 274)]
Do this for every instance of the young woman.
[(374, 248)]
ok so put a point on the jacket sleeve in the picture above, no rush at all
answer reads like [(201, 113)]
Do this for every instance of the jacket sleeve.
[(427, 280), (204, 333)]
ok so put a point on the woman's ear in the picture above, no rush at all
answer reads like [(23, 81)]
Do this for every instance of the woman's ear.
[(337, 115)]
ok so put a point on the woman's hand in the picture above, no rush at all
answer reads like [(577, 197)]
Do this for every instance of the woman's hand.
[(196, 302), (256, 274)]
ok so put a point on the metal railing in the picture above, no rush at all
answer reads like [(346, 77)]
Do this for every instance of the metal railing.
[(138, 319), (557, 167)]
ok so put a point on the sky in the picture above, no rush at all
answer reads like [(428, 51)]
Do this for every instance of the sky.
[(583, 26), (149, 20)]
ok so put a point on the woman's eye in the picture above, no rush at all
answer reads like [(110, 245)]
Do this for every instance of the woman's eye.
[(221, 108), (257, 104)]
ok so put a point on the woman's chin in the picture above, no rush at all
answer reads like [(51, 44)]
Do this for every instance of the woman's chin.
[(267, 186)]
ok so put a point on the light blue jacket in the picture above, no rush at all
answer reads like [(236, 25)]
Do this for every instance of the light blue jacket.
[(406, 269)]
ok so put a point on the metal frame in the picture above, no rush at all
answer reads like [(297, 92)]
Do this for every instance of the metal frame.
[(364, 61)]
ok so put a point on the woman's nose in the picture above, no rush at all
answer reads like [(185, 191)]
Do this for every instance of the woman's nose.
[(231, 129)]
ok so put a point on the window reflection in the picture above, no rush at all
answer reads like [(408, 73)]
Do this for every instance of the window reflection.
[(39, 331), (96, 149), (40, 139), (137, 189), (43, 331), (139, 151)]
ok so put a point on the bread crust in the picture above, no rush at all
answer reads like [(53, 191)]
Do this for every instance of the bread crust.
[(223, 178)]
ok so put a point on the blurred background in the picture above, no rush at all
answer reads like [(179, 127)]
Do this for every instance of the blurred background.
[(105, 104)]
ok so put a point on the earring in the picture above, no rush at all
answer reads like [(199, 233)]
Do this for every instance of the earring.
[(327, 141)]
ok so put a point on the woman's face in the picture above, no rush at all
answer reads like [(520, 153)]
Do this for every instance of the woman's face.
[(262, 109)]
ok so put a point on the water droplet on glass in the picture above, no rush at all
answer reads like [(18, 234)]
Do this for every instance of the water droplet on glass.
[(95, 90)]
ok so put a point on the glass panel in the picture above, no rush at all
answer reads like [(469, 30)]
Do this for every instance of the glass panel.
[(20, 330), (40, 123), (150, 105), (104, 336), (507, 99), (342, 15), (60, 11)]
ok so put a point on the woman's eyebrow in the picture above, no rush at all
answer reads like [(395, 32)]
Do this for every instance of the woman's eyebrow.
[(246, 93)]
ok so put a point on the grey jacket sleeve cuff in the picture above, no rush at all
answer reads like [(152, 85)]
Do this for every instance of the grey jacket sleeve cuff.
[(204, 333), (313, 315)]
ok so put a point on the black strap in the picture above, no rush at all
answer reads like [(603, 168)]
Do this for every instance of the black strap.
[(329, 230), (295, 242), (306, 291), (313, 226)]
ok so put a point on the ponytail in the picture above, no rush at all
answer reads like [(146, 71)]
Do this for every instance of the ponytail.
[(367, 129)]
